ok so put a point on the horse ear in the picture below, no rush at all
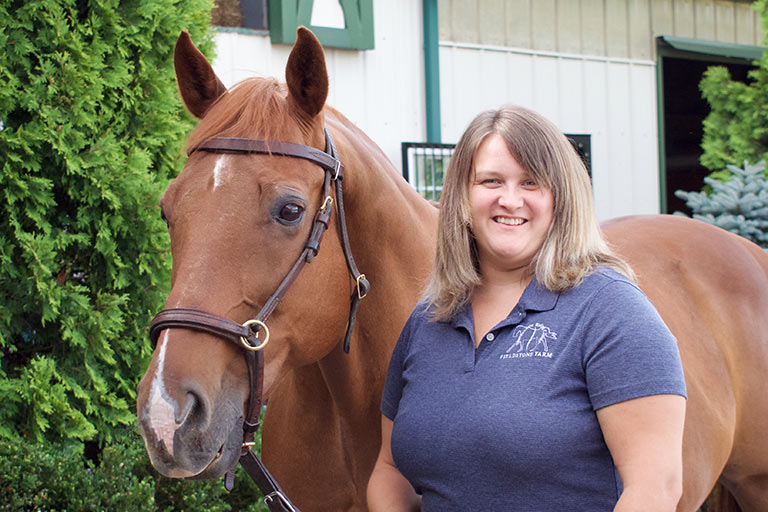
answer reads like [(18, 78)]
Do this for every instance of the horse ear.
[(198, 84), (306, 74)]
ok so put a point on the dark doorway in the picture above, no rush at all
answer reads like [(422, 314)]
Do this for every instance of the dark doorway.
[(684, 112)]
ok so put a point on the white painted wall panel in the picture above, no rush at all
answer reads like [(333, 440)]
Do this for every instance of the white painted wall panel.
[(380, 90), (619, 143), (546, 90), (596, 124), (521, 85), (570, 83), (492, 77), (613, 100), (645, 157)]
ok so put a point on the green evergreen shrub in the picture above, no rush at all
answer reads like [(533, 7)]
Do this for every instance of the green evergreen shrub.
[(91, 133), (51, 476), (56, 476), (739, 204), (736, 129)]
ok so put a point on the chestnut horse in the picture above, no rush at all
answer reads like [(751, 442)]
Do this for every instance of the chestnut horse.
[(239, 221)]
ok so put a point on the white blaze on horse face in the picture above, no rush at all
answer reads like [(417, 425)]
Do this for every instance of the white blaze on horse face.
[(220, 171), (161, 407)]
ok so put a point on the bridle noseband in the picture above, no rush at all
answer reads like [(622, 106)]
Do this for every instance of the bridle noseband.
[(246, 335)]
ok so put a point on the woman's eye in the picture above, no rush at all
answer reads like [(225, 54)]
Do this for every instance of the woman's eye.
[(291, 212)]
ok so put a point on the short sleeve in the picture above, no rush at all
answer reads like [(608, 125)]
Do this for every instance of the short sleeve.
[(393, 386), (629, 352)]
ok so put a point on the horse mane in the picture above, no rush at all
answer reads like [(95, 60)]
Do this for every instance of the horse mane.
[(251, 108)]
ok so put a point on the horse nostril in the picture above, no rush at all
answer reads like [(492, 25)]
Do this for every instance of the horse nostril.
[(195, 412), (187, 410)]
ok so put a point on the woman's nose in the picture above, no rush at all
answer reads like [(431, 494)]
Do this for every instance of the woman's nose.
[(510, 197)]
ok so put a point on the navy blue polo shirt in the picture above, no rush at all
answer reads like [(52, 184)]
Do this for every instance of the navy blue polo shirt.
[(511, 425)]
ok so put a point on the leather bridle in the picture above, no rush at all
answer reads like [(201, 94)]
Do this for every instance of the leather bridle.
[(246, 335)]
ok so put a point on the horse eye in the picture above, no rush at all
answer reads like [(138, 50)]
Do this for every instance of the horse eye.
[(162, 216), (291, 213)]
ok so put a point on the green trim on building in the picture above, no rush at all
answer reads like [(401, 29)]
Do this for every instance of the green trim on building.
[(285, 16), (661, 132), (709, 48), (431, 71)]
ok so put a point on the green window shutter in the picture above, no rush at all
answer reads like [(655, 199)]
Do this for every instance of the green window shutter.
[(286, 15)]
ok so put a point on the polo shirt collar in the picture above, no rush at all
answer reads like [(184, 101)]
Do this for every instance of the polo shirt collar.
[(534, 298)]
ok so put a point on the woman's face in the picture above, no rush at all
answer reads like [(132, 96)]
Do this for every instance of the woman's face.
[(511, 213)]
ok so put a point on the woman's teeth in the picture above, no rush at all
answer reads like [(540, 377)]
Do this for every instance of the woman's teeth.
[(508, 221)]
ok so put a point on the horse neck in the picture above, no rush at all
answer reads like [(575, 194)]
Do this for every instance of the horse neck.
[(392, 236)]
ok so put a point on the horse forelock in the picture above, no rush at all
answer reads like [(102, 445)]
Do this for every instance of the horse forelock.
[(254, 108)]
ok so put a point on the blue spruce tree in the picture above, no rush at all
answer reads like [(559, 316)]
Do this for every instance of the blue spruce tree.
[(739, 205)]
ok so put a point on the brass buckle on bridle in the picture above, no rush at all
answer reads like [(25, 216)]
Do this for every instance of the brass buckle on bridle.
[(360, 294), (247, 344)]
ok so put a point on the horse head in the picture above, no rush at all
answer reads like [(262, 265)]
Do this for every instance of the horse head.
[(238, 221)]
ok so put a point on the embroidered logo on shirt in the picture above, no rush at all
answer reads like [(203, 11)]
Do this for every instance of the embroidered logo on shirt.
[(532, 340)]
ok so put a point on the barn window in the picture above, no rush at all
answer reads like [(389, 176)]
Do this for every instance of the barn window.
[(336, 23)]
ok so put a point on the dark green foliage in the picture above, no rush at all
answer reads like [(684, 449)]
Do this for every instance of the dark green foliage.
[(739, 204), (91, 133), (736, 129), (57, 477)]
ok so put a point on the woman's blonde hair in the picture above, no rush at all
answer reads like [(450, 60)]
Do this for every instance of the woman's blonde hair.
[(574, 245)]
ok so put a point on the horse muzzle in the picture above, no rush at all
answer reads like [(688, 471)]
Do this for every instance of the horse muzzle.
[(194, 439)]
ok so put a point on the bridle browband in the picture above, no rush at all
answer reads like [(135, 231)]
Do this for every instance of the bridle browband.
[(246, 335)]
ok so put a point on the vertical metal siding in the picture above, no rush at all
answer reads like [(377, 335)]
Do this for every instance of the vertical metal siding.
[(614, 28), (589, 66)]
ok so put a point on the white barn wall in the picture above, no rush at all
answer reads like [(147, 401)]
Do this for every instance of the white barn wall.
[(380, 90), (613, 100)]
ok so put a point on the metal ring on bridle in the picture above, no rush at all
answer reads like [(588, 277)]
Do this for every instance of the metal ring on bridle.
[(247, 344)]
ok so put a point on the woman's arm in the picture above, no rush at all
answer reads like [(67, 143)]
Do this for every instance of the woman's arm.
[(645, 438), (388, 490)]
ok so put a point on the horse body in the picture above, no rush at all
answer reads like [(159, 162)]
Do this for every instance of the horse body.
[(237, 222), (711, 288)]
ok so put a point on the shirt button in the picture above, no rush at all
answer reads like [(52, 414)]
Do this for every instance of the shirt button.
[(490, 336)]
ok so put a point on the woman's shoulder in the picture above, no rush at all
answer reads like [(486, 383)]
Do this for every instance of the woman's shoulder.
[(421, 314), (606, 284)]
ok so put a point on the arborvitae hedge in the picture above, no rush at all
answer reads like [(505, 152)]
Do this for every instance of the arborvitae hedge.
[(91, 133), (736, 129)]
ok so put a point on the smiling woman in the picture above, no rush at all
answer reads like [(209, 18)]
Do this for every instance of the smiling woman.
[(532, 330)]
